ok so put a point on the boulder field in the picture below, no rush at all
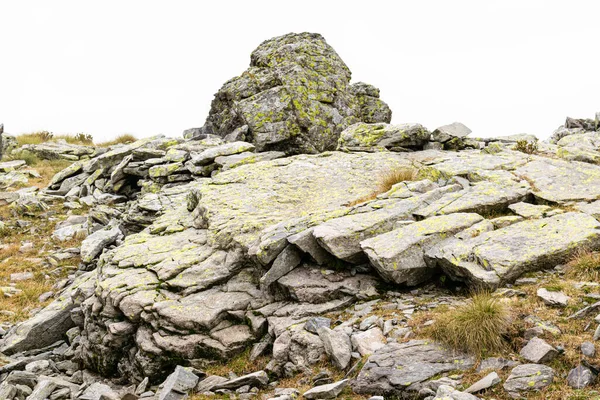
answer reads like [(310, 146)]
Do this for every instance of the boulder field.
[(250, 232)]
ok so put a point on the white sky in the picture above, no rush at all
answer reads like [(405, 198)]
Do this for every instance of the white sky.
[(148, 67)]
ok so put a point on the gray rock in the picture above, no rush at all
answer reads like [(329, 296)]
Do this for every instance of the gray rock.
[(42, 390), (538, 351), (486, 382), (528, 377), (588, 349), (21, 276), (255, 379), (370, 137), (313, 324), (527, 210), (99, 391), (448, 132), (552, 298), (178, 384), (272, 97), (445, 392), (95, 243), (285, 262), (329, 391), (580, 377), (368, 342), (403, 369), (498, 258), (337, 346), (7, 391), (399, 255), (209, 383)]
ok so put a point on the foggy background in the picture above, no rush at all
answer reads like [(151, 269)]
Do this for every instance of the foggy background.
[(148, 67)]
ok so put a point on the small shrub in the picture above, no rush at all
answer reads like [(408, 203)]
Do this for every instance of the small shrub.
[(386, 181), (527, 147), (125, 138), (81, 138), (584, 266), (478, 327)]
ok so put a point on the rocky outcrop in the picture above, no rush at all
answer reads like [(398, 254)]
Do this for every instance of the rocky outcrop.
[(295, 97)]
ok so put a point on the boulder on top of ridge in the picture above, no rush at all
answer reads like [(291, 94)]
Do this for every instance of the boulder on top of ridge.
[(295, 97), (374, 137)]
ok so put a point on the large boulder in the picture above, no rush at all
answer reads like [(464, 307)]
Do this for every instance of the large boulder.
[(295, 97), (503, 255)]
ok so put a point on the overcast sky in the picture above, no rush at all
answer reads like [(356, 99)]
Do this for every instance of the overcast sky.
[(148, 67)]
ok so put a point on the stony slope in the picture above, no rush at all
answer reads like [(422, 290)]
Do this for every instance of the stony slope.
[(202, 249)]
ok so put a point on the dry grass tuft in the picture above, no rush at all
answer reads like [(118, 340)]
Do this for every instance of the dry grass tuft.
[(125, 138), (526, 147), (584, 266), (386, 181), (477, 327)]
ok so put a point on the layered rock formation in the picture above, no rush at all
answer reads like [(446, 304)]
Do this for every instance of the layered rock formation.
[(197, 250)]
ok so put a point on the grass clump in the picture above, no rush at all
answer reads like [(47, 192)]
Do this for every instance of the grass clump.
[(478, 327), (125, 138), (45, 137), (527, 147), (584, 266), (385, 182)]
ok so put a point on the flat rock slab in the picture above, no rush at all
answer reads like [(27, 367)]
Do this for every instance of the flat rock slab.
[(552, 298), (11, 165), (505, 254), (330, 391), (482, 197), (241, 202), (561, 181), (528, 377), (398, 256), (402, 369)]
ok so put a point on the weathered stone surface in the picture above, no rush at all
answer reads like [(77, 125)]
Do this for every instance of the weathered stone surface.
[(98, 391), (402, 369), (257, 379), (538, 351), (588, 349), (178, 384), (337, 345), (552, 298), (482, 197), (398, 255), (330, 391), (8, 166), (580, 377), (446, 392), (93, 245), (314, 324), (527, 210), (528, 377), (373, 137), (227, 149), (285, 262), (342, 236), (448, 132), (295, 97), (551, 178), (486, 382), (504, 254)]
